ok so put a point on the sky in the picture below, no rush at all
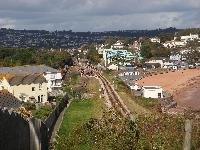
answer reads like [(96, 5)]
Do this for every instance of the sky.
[(99, 15)]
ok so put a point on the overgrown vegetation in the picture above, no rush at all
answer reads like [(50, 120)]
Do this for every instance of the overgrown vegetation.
[(42, 113), (149, 103), (113, 132), (21, 56)]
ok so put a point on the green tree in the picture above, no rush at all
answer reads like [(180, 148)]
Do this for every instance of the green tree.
[(165, 37), (93, 55), (146, 51)]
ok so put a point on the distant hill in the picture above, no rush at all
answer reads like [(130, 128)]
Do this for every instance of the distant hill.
[(68, 39)]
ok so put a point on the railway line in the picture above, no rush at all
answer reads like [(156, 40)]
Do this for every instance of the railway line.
[(114, 99)]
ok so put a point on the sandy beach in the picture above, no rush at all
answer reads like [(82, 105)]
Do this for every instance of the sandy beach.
[(184, 85)]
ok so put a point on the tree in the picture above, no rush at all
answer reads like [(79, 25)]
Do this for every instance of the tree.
[(165, 37), (93, 55), (146, 51), (109, 42)]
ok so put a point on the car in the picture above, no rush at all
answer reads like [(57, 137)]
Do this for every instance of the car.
[(192, 66)]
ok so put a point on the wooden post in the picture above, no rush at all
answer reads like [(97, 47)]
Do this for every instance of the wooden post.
[(188, 136)]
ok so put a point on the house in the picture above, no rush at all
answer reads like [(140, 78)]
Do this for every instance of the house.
[(32, 87), (100, 49), (156, 60), (53, 76), (173, 43), (155, 40), (190, 37), (168, 65), (118, 45), (121, 57), (135, 46), (8, 100), (152, 92), (135, 87), (113, 67), (175, 57)]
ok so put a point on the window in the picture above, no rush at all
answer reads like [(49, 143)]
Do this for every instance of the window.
[(38, 99), (41, 98), (33, 88), (52, 76), (40, 86)]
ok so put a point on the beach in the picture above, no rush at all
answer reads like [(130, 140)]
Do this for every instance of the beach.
[(184, 85)]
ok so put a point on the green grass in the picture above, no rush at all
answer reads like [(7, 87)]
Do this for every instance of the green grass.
[(126, 95), (79, 112)]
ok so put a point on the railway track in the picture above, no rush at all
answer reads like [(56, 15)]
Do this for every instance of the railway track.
[(116, 103)]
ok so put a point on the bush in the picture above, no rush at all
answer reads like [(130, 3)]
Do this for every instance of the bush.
[(29, 106), (42, 113), (113, 132)]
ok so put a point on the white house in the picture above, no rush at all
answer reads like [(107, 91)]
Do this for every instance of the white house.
[(101, 49), (168, 44), (175, 57), (152, 92), (168, 65), (173, 43), (32, 87), (135, 87), (53, 76), (190, 37), (158, 60), (118, 45), (155, 40), (113, 67)]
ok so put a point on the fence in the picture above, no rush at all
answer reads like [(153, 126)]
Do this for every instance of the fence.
[(51, 120), (20, 133)]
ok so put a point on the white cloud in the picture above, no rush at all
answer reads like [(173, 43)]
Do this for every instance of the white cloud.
[(7, 23), (100, 15)]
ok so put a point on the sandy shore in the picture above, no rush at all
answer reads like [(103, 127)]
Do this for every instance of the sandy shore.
[(183, 85)]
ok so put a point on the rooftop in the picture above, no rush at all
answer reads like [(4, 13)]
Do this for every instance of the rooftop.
[(25, 79), (151, 87), (8, 100), (27, 69)]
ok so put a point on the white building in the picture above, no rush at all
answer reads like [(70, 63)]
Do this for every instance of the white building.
[(113, 67), (100, 49), (173, 43), (124, 56), (118, 45), (175, 57), (190, 37), (135, 87), (155, 40), (152, 92), (53, 76), (158, 60), (32, 87)]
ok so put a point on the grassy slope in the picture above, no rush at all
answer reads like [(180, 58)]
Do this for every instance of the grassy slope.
[(126, 96), (79, 112)]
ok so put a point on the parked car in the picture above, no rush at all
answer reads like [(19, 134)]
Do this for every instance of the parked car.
[(192, 66)]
